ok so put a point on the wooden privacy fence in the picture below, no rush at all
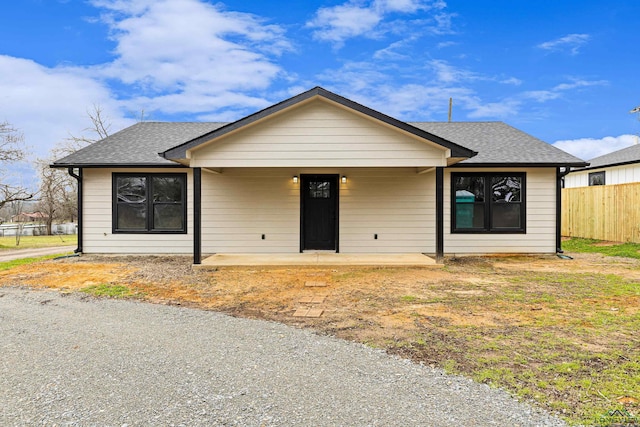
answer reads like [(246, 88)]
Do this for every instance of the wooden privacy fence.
[(603, 212)]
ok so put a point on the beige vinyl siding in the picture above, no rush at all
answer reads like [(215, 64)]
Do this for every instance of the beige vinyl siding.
[(613, 175), (541, 219), (319, 134), (239, 205), (396, 204), (97, 219)]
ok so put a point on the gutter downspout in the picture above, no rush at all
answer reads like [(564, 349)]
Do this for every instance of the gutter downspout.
[(559, 178), (78, 177)]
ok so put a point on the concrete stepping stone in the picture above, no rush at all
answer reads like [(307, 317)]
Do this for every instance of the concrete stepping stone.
[(308, 312), (313, 299), (315, 284)]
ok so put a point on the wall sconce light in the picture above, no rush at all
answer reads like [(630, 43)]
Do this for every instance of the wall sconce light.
[(295, 179), (344, 179)]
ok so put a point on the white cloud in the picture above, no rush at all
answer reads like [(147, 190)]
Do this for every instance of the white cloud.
[(558, 90), (338, 23), (186, 56), (357, 18), (570, 42), (47, 104), (511, 105), (589, 148), (505, 108), (420, 99), (447, 73), (511, 81)]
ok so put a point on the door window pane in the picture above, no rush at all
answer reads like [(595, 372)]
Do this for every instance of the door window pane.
[(320, 189)]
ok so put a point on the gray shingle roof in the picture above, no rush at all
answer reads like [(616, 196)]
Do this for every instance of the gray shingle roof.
[(138, 145), (495, 142), (625, 156), (498, 143)]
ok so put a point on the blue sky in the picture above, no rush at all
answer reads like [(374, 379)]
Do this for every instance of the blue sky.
[(564, 71)]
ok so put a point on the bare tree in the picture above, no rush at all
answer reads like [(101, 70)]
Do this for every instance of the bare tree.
[(54, 185), (12, 151), (99, 129), (58, 190)]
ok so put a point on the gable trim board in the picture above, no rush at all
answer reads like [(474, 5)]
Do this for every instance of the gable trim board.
[(396, 200)]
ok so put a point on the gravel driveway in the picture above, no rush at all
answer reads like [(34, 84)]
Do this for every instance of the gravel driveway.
[(74, 360)]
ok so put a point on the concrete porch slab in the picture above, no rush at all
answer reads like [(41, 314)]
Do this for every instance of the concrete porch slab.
[(319, 259)]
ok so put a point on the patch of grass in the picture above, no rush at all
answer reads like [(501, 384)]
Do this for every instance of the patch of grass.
[(33, 242), (627, 250), (108, 290), (7, 265)]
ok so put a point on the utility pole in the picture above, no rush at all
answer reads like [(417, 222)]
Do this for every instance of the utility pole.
[(636, 111)]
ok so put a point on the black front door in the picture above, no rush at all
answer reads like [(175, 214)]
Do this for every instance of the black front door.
[(319, 199)]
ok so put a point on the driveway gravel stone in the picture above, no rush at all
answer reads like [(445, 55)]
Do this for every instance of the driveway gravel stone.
[(72, 360)]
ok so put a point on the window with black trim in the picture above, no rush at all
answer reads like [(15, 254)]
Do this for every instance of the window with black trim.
[(149, 203), (596, 178), (488, 202)]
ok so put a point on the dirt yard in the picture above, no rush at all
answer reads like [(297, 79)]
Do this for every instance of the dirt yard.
[(561, 333)]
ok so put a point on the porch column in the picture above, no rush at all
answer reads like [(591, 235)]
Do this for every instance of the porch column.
[(197, 216), (439, 214)]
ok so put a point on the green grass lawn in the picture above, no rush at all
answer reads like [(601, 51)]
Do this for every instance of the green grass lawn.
[(628, 250), (33, 242)]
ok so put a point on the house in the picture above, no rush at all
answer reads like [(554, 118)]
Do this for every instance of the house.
[(620, 167), (319, 172), (601, 201), (30, 217)]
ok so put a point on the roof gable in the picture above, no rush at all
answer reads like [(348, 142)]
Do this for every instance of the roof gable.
[(318, 133), (180, 152)]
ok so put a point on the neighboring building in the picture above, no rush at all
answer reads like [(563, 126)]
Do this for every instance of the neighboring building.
[(30, 217), (319, 172), (619, 167)]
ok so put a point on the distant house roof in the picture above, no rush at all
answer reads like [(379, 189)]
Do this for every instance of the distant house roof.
[(625, 156), (479, 143), (29, 216)]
